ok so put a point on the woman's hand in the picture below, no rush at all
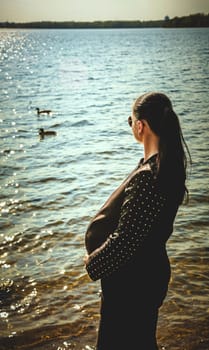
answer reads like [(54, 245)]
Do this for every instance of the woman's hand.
[(86, 259)]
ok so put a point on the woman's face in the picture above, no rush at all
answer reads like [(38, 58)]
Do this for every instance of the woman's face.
[(137, 127)]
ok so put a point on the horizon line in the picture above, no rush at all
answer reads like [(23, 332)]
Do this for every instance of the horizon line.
[(105, 20)]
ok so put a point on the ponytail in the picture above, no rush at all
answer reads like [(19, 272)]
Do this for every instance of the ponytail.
[(156, 109)]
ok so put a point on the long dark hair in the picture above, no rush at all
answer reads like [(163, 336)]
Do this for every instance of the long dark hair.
[(156, 108)]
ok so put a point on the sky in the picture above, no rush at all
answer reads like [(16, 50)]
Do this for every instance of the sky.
[(93, 10)]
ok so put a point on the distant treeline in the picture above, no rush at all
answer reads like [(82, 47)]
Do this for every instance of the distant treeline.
[(195, 20), (84, 25)]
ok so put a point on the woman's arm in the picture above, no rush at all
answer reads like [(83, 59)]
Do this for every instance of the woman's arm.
[(140, 210)]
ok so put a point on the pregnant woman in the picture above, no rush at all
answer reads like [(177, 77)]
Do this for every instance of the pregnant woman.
[(126, 239)]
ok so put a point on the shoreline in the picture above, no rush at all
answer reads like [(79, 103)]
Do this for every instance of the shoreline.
[(197, 20)]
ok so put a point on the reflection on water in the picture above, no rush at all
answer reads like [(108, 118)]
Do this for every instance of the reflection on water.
[(50, 188)]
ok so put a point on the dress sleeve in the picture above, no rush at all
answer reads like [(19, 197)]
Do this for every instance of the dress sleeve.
[(140, 210)]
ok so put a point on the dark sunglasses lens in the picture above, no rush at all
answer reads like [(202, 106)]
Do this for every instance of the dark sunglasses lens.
[(130, 121)]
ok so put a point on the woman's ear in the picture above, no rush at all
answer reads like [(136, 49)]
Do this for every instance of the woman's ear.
[(140, 126)]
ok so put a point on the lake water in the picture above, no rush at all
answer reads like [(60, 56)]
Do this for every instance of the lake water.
[(51, 187)]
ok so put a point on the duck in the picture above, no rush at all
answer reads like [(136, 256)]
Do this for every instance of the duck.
[(43, 132), (43, 111)]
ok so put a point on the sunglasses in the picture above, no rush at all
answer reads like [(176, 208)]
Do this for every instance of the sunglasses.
[(130, 121)]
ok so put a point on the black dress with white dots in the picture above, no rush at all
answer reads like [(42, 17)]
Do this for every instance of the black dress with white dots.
[(132, 261)]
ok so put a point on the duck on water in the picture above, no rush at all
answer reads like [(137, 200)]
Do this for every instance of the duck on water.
[(43, 111), (43, 132)]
